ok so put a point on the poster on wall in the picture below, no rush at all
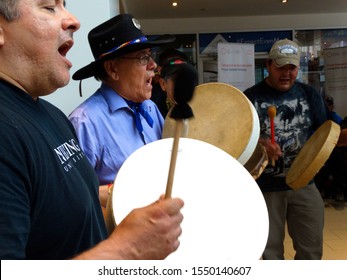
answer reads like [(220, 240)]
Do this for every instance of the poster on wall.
[(236, 65), (336, 77)]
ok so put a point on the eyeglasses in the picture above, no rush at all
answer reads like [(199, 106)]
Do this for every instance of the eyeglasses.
[(143, 59)]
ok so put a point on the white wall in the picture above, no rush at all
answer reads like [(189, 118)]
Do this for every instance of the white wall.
[(90, 13)]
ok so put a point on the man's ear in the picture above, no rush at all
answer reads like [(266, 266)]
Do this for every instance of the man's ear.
[(111, 69)]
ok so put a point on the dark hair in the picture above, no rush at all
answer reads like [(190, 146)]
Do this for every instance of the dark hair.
[(171, 66), (9, 9)]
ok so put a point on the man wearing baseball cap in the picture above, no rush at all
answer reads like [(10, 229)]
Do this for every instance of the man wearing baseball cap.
[(300, 110)]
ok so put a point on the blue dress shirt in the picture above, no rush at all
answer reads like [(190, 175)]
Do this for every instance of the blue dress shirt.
[(106, 129)]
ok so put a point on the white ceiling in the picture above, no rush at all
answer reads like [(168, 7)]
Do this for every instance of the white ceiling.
[(155, 9)]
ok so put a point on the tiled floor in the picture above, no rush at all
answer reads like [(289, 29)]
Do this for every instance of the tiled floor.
[(335, 236)]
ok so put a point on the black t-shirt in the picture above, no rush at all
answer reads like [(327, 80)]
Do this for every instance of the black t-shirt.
[(299, 112), (49, 206)]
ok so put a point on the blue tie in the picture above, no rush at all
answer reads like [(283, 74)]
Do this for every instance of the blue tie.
[(138, 109)]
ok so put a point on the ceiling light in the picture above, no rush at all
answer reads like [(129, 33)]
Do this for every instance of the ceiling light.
[(174, 4), (284, 1)]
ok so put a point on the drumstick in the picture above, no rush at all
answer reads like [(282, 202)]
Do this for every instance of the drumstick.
[(185, 81), (174, 152), (271, 111)]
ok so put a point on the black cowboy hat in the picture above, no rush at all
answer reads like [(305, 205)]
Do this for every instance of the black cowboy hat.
[(118, 36)]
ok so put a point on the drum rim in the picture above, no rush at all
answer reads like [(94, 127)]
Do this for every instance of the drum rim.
[(297, 178)]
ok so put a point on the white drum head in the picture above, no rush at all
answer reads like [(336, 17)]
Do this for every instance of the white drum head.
[(225, 215)]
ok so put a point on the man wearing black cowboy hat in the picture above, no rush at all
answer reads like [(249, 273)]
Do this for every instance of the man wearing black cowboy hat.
[(119, 117)]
